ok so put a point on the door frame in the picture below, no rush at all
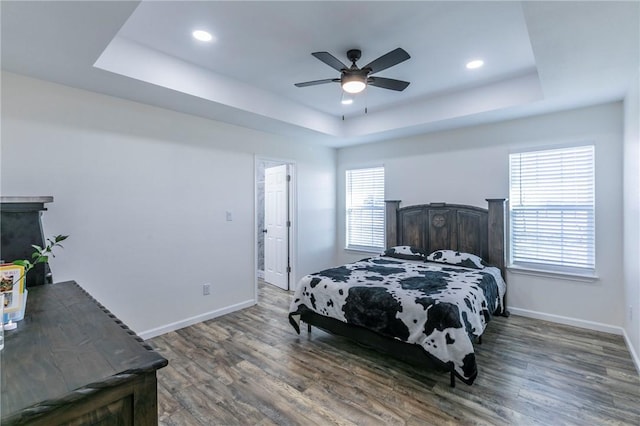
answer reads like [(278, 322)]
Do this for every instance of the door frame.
[(293, 217)]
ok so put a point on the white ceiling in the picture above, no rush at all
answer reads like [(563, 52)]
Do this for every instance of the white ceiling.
[(539, 57)]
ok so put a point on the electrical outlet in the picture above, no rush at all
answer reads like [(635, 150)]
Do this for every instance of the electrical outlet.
[(206, 289)]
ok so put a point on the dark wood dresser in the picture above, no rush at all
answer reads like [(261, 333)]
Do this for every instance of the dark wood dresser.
[(71, 361)]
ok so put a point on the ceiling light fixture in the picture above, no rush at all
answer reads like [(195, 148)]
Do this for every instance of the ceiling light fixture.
[(476, 63), (202, 35), (353, 82)]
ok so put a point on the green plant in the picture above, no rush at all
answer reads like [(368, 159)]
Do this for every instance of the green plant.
[(41, 255)]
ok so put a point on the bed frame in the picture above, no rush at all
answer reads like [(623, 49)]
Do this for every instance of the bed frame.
[(435, 226)]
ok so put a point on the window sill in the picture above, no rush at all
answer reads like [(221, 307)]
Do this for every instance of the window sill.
[(364, 251), (586, 277)]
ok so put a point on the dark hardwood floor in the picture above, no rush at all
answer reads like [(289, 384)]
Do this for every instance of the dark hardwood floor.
[(251, 368)]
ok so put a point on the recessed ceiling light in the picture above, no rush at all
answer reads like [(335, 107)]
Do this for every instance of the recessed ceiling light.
[(476, 63), (202, 35)]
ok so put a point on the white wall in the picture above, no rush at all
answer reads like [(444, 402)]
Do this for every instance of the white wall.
[(468, 165), (143, 192), (632, 218)]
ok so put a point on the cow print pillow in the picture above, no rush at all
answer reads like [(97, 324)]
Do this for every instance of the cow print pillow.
[(452, 257), (406, 253)]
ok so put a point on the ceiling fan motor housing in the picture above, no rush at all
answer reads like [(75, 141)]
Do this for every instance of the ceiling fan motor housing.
[(353, 55), (353, 79)]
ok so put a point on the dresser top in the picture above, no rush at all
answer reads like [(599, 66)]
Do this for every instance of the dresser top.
[(67, 346), (26, 199)]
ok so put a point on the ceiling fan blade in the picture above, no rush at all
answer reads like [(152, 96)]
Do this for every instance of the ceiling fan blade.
[(330, 60), (315, 82), (388, 83), (388, 60)]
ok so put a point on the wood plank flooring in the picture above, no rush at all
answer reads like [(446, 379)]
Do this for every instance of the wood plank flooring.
[(251, 368)]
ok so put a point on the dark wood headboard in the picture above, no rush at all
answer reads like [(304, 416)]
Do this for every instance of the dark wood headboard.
[(439, 226)]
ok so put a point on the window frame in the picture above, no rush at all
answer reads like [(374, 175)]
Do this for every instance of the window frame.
[(378, 206), (582, 273)]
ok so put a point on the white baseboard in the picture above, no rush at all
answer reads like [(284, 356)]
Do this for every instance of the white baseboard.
[(148, 334), (634, 355), (590, 325)]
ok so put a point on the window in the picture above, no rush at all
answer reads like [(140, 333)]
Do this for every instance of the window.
[(365, 209), (552, 210)]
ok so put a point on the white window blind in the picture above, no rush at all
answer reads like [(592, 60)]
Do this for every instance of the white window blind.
[(365, 209), (552, 209)]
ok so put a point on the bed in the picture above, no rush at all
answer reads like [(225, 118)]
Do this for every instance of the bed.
[(428, 298)]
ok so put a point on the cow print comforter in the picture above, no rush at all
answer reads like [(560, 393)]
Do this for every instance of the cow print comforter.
[(439, 307)]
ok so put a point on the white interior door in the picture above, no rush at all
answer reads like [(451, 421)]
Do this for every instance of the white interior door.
[(276, 217)]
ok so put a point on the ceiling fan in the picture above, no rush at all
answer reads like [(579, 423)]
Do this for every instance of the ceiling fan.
[(354, 79)]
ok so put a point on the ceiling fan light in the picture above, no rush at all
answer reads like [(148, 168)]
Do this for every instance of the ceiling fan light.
[(353, 86), (353, 83)]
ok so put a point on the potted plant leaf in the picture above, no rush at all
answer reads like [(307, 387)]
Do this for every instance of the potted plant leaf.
[(41, 254)]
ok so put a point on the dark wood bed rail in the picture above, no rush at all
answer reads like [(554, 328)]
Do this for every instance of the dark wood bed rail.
[(439, 226)]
